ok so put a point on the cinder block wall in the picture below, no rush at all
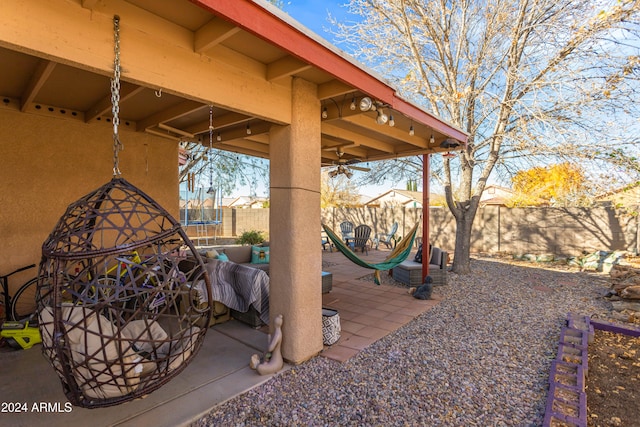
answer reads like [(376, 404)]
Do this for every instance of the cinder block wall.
[(561, 231)]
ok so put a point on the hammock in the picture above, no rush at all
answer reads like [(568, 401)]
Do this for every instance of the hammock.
[(399, 253)]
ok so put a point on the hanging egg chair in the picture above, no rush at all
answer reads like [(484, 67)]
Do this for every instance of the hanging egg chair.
[(119, 312), (117, 315)]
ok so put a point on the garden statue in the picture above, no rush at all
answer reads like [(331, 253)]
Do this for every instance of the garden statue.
[(272, 360)]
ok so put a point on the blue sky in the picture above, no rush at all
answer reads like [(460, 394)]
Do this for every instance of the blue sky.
[(314, 14)]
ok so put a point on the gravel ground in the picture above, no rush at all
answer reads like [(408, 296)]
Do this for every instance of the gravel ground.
[(479, 358)]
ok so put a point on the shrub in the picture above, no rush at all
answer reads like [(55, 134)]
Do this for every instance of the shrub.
[(251, 237)]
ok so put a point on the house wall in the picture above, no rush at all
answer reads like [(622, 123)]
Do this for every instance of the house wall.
[(49, 162)]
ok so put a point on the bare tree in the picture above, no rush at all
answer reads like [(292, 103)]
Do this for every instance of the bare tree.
[(221, 169), (338, 191), (226, 170), (531, 81)]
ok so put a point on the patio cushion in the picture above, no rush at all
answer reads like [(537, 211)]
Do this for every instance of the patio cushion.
[(259, 255), (241, 255), (410, 273)]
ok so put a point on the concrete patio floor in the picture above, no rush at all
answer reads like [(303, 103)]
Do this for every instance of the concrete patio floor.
[(220, 370)]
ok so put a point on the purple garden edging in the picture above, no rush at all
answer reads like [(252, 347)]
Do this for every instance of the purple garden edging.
[(616, 329), (567, 399)]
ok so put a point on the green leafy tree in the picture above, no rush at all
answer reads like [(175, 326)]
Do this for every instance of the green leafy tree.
[(531, 81)]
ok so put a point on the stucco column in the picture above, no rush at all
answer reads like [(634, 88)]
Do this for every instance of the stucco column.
[(294, 226)]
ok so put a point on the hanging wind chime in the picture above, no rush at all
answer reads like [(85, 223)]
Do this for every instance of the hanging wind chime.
[(118, 316), (211, 190)]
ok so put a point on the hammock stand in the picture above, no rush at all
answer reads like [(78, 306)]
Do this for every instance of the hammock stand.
[(397, 256)]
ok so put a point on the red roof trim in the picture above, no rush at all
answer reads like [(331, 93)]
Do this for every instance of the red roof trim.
[(259, 21)]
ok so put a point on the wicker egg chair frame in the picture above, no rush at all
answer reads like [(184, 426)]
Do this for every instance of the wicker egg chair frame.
[(116, 326)]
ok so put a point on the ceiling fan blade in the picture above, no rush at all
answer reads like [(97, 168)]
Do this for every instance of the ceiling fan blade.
[(352, 161), (359, 168)]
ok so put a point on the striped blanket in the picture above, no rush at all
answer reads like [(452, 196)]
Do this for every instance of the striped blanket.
[(239, 287)]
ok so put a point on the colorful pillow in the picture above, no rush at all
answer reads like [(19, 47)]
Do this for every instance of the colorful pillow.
[(212, 254), (222, 257), (259, 255)]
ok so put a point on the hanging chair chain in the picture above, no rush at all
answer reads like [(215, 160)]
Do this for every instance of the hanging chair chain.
[(210, 147), (115, 97)]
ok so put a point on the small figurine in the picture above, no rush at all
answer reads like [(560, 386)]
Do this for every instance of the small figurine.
[(272, 361)]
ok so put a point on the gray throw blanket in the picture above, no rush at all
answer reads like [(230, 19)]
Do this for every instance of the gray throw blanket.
[(239, 287)]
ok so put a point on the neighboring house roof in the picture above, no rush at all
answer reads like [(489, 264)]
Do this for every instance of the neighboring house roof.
[(197, 204), (629, 195), (183, 156), (248, 202), (401, 198), (226, 201), (363, 200), (496, 195)]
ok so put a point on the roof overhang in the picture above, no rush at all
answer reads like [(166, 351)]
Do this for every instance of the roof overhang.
[(185, 59)]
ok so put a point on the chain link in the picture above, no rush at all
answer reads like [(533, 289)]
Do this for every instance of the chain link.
[(210, 127), (115, 97), (210, 160)]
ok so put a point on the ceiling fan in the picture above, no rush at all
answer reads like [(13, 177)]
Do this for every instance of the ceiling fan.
[(344, 166)]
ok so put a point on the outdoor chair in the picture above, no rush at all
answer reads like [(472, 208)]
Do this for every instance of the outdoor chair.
[(346, 228), (410, 272), (361, 238), (387, 238), (326, 243)]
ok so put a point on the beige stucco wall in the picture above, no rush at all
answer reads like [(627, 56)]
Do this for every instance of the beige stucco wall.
[(49, 162)]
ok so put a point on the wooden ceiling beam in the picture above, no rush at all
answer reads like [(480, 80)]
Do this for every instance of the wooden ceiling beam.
[(38, 79), (369, 122), (104, 106), (338, 132), (213, 33), (89, 4), (219, 122), (244, 147), (334, 88), (285, 67), (240, 132), (182, 109)]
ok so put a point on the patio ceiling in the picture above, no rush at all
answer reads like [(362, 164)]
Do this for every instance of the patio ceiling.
[(250, 39)]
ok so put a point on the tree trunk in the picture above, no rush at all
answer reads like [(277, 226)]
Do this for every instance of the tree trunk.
[(461, 255)]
